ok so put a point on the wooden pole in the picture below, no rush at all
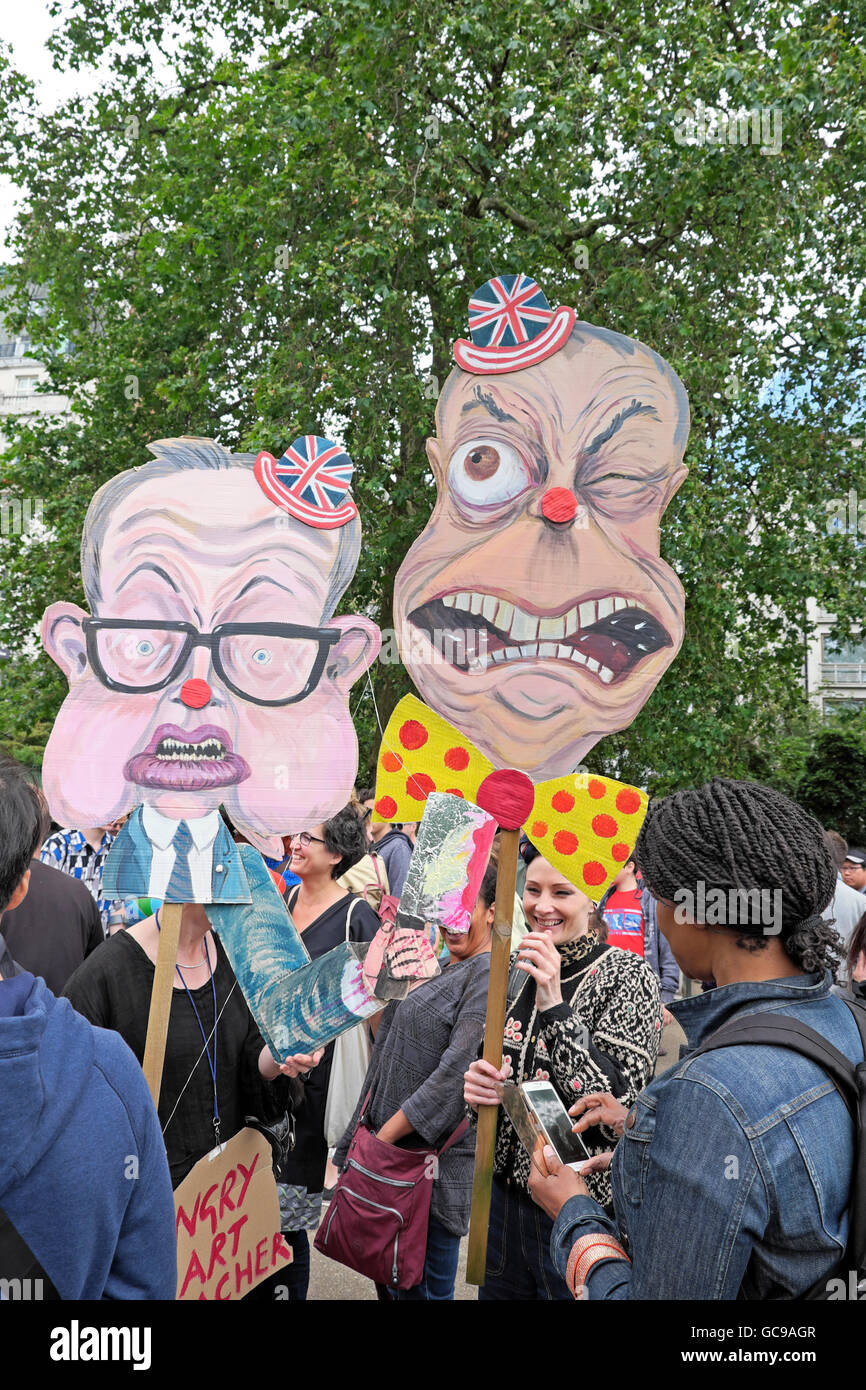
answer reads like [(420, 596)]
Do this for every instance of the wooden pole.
[(161, 997), (494, 1028)]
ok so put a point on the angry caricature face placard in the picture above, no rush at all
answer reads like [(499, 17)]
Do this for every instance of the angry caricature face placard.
[(534, 611)]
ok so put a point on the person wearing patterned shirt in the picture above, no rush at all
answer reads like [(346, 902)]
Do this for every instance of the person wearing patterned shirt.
[(82, 855), (582, 1014)]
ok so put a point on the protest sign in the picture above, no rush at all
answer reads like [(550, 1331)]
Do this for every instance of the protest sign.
[(534, 612), (228, 1221), (210, 672)]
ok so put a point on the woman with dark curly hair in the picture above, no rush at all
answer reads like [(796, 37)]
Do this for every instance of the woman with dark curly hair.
[(325, 915), (732, 1177)]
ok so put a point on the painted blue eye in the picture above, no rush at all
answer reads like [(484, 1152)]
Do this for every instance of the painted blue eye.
[(144, 648), (262, 657)]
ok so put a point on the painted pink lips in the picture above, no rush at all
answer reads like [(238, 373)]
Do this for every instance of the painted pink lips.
[(190, 760)]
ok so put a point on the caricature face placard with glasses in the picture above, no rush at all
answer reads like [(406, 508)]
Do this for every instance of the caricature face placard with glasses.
[(210, 670)]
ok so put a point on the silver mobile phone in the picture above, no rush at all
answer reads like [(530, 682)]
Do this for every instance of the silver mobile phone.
[(553, 1122)]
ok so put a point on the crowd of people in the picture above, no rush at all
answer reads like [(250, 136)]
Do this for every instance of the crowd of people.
[(727, 1174)]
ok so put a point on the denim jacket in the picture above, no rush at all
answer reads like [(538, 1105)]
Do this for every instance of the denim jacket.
[(732, 1177)]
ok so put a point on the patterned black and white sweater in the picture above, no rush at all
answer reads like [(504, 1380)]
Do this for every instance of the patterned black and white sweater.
[(604, 1036)]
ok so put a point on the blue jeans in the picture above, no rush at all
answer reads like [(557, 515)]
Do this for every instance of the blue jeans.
[(440, 1269), (518, 1251)]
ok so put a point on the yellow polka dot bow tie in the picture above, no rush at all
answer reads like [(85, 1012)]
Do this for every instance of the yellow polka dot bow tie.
[(586, 826)]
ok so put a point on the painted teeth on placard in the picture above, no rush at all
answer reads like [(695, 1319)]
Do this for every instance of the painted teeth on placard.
[(449, 600), (463, 601), (503, 616), (551, 628), (524, 628), (587, 613)]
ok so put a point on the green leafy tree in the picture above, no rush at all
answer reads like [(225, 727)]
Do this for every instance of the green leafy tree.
[(286, 239), (832, 783)]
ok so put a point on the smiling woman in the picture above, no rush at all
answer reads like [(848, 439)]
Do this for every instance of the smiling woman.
[(580, 1014)]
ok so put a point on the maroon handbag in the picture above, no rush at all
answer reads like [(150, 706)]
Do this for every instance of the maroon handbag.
[(377, 1219)]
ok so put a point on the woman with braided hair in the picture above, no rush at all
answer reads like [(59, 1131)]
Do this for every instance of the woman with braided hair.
[(732, 1177)]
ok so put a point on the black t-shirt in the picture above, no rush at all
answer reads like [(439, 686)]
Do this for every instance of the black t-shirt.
[(305, 1165), (112, 990), (55, 928)]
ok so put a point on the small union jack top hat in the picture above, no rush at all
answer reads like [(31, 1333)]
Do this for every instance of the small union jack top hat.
[(512, 326), (310, 481)]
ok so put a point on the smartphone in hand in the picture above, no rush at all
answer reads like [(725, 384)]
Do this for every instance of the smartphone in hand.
[(552, 1121)]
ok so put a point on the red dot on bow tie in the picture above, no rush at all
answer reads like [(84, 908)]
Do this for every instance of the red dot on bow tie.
[(508, 796), (195, 693)]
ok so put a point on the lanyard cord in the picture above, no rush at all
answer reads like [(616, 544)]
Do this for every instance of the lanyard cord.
[(211, 1061), (198, 1059)]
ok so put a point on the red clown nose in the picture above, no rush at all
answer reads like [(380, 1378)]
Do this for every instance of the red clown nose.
[(559, 504), (195, 693)]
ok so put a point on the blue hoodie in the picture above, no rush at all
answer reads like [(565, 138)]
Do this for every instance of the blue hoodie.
[(83, 1173)]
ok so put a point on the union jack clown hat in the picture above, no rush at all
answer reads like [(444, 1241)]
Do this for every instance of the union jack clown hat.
[(511, 326), (310, 481)]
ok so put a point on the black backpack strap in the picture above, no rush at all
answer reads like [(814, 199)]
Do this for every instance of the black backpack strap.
[(781, 1030), (22, 1274)]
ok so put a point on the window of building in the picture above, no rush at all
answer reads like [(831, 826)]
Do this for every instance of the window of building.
[(25, 385), (851, 653), (832, 707)]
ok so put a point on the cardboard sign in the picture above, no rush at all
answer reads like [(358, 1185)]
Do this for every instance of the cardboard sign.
[(451, 853), (585, 826), (210, 670), (299, 1004), (228, 1221), (534, 611)]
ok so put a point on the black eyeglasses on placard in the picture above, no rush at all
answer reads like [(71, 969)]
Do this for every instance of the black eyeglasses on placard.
[(265, 663)]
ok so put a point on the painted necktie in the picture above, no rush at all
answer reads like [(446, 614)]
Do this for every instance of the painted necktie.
[(179, 888)]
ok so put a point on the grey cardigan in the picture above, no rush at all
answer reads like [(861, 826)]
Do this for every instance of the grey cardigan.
[(424, 1045)]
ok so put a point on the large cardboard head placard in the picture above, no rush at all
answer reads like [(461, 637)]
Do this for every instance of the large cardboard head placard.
[(585, 826), (534, 611), (211, 669)]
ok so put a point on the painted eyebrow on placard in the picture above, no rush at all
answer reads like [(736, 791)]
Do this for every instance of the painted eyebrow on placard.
[(636, 408), (269, 579), (485, 399), (153, 569)]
